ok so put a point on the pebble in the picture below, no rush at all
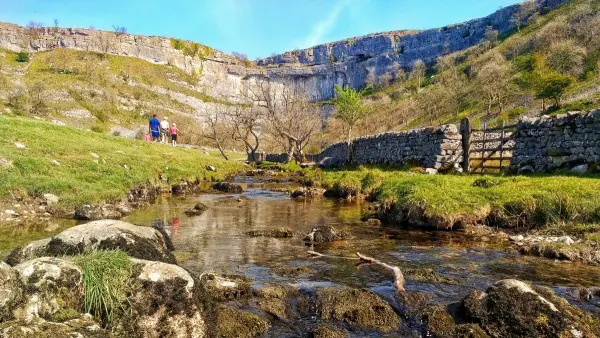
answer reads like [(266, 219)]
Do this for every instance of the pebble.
[(55, 162), (95, 155), (20, 145)]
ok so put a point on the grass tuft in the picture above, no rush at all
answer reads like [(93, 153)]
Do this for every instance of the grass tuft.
[(106, 282)]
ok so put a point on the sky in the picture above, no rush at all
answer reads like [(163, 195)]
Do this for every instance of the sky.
[(257, 28)]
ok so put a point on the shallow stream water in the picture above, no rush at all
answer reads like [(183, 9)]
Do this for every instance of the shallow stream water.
[(217, 241)]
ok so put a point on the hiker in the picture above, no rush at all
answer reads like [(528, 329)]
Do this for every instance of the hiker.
[(147, 137), (174, 131), (154, 128), (164, 129)]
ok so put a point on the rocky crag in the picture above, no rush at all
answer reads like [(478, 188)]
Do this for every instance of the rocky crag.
[(316, 70)]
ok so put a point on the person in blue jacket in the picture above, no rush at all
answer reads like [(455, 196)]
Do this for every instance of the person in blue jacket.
[(154, 128)]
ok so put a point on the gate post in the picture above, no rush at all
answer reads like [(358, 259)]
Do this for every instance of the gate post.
[(465, 129)]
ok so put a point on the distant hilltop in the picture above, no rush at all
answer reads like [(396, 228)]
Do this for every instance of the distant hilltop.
[(317, 70)]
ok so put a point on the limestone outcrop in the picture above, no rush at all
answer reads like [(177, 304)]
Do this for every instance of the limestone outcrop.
[(316, 69), (137, 241)]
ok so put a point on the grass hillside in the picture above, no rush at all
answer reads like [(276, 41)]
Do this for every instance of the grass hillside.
[(86, 167), (97, 91), (549, 65)]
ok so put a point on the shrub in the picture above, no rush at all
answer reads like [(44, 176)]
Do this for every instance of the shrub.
[(177, 44), (23, 57), (106, 283)]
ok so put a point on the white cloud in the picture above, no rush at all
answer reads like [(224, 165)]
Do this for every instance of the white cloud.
[(323, 27)]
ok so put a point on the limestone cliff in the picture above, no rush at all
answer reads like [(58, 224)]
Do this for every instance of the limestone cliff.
[(316, 69)]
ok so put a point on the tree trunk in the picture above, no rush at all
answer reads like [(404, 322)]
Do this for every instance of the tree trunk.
[(350, 144), (220, 147)]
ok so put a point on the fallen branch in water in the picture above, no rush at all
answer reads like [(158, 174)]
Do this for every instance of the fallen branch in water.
[(398, 276), (314, 253)]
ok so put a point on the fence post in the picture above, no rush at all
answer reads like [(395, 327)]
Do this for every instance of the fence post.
[(502, 146), (465, 129), (482, 164)]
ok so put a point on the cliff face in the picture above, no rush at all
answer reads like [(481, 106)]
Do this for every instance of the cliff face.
[(350, 61), (316, 69)]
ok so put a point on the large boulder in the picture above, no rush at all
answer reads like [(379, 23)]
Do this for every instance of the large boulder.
[(512, 308), (51, 285), (138, 241), (11, 291), (165, 302)]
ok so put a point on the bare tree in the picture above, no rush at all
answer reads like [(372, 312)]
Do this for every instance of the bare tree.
[(526, 9), (494, 79), (246, 125), (288, 114), (418, 72), (219, 128), (119, 30)]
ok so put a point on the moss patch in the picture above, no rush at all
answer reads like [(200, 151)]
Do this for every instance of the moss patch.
[(358, 307), (232, 322)]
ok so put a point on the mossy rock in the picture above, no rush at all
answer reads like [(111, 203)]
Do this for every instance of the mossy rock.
[(292, 271), (357, 307), (438, 323), (426, 275), (275, 307), (469, 331), (225, 287), (276, 291), (83, 326), (227, 187), (11, 291), (325, 234), (233, 322), (511, 308), (328, 331)]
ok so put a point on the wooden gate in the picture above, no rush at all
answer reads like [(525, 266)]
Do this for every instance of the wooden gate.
[(487, 149)]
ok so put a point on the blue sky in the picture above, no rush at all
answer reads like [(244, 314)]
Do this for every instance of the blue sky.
[(257, 28)]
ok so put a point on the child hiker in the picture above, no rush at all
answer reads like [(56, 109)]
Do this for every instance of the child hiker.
[(174, 131)]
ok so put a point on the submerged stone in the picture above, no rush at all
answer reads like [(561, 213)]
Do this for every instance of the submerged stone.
[(275, 233), (197, 210)]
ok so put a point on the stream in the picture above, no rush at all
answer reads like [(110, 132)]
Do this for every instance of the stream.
[(217, 241)]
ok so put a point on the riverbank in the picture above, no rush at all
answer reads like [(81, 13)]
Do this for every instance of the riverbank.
[(542, 205), (50, 169)]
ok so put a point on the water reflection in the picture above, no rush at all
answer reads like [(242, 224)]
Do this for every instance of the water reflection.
[(217, 241)]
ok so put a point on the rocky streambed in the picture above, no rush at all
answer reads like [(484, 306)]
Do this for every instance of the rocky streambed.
[(239, 268)]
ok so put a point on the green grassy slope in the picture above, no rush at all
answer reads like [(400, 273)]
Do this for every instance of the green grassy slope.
[(114, 90), (82, 177)]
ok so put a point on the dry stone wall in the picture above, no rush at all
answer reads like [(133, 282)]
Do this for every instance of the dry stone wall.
[(430, 147), (564, 141)]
